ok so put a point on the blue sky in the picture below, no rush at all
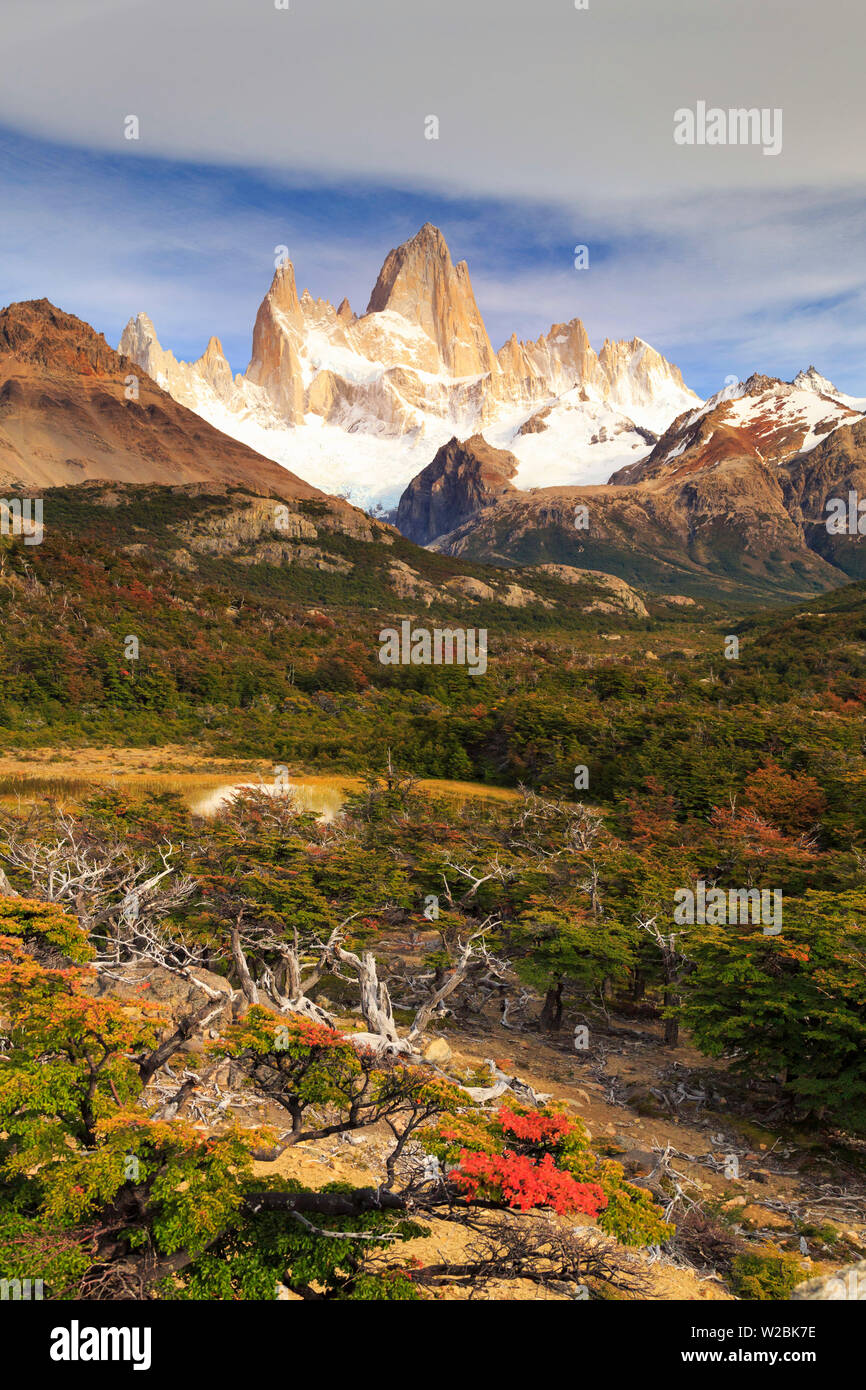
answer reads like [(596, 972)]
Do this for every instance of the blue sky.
[(305, 128), (106, 235)]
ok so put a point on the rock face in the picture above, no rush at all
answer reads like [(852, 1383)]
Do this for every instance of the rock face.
[(416, 368), (536, 424), (622, 594), (419, 282), (638, 375), (461, 480), (733, 495), (175, 995), (834, 469), (275, 365), (554, 363)]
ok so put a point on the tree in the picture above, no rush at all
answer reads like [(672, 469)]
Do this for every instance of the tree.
[(526, 1157), (791, 1006), (792, 802), (471, 955), (101, 1198), (674, 965), (119, 897), (559, 950)]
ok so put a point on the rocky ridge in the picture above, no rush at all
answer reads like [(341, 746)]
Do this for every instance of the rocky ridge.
[(734, 495), (383, 389)]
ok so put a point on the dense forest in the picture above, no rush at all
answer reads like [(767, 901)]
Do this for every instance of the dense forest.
[(187, 1003)]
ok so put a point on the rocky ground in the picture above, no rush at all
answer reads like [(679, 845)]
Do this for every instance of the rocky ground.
[(672, 1119)]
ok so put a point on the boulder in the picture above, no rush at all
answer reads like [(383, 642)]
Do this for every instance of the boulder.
[(437, 1052), (143, 982)]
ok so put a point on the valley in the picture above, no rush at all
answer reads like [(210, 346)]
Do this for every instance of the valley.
[(467, 908)]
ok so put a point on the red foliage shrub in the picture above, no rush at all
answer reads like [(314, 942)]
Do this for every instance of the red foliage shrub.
[(534, 1127), (522, 1183)]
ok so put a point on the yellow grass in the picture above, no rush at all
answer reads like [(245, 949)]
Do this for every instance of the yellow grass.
[(68, 775)]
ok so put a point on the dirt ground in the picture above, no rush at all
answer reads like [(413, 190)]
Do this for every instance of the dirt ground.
[(621, 1087), (571, 1078)]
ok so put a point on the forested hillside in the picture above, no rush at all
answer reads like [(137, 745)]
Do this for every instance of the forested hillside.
[(264, 1055)]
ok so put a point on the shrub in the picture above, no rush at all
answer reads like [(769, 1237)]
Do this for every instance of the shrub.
[(767, 1275), (521, 1183)]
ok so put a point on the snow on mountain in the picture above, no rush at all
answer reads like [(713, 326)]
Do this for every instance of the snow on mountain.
[(812, 380), (572, 441), (358, 405), (778, 418), (762, 418)]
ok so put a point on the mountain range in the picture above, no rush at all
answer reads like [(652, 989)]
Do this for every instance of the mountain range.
[(73, 410), (723, 498), (359, 404), (73, 432), (732, 498)]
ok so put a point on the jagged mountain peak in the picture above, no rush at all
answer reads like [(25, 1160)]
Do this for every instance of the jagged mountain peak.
[(383, 391), (420, 282), (283, 292), (141, 322), (421, 257), (214, 349), (762, 422), (139, 341), (760, 385), (572, 329), (813, 380), (213, 366), (634, 351)]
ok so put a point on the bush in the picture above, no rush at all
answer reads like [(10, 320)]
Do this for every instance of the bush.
[(766, 1277)]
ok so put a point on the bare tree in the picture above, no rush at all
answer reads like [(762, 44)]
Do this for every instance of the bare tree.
[(118, 897), (573, 829), (376, 1005), (270, 958), (542, 1251), (674, 962)]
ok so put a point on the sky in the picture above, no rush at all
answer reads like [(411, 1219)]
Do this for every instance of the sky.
[(305, 126)]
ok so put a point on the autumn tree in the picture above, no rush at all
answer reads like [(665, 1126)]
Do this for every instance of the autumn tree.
[(102, 1198)]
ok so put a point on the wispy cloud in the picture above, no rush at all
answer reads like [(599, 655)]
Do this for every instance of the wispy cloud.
[(535, 100), (723, 284)]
